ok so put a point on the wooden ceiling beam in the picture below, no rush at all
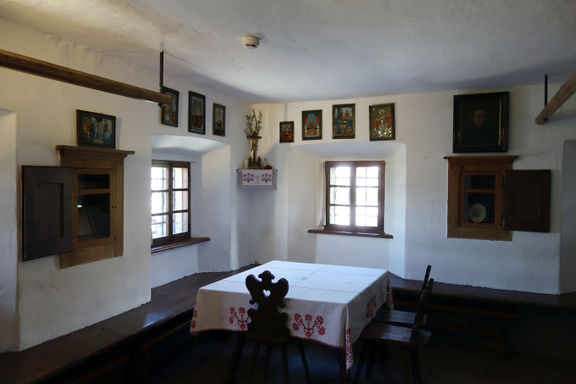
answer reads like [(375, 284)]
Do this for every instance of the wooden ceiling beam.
[(563, 94), (56, 72)]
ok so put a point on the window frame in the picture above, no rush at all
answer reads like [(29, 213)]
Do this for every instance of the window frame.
[(172, 238), (355, 229)]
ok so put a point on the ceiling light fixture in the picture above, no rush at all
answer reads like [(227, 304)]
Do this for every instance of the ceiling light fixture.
[(251, 41)]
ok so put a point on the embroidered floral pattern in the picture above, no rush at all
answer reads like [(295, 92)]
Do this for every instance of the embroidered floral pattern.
[(307, 325), (371, 307), (349, 352), (248, 178), (240, 317)]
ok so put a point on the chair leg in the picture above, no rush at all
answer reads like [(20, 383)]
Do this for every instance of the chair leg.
[(415, 360), (304, 362), (285, 363), (231, 375)]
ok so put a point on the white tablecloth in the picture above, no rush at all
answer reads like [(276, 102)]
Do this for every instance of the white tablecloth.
[(330, 304)]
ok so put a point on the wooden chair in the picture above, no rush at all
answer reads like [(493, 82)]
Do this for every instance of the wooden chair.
[(411, 339), (399, 317), (267, 324)]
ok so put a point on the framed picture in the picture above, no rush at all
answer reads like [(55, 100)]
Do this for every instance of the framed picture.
[(218, 120), (169, 113), (196, 113), (481, 122), (382, 124), (286, 131), (312, 125), (343, 121), (95, 129)]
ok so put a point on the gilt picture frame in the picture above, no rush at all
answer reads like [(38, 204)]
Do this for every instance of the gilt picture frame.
[(196, 113), (382, 122), (480, 122)]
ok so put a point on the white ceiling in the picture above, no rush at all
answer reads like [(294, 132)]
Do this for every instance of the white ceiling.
[(323, 49)]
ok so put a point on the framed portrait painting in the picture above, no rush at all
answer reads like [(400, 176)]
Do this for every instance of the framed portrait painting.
[(343, 121), (382, 122), (196, 113), (481, 122), (95, 129), (169, 113), (286, 131), (312, 125), (218, 120)]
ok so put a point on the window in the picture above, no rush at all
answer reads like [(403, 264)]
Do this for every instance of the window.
[(170, 202), (355, 197)]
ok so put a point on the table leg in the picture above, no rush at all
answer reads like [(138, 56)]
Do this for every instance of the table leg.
[(344, 373), (237, 355)]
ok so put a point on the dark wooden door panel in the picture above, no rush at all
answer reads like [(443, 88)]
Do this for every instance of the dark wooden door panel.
[(527, 200), (46, 211)]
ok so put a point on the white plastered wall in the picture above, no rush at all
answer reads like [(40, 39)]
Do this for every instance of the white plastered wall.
[(417, 176)]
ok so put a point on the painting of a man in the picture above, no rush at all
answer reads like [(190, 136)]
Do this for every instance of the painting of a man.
[(481, 122)]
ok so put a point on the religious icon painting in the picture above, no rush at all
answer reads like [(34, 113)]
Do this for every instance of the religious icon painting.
[(343, 121), (218, 120), (382, 125), (312, 125), (286, 131), (196, 113), (169, 113)]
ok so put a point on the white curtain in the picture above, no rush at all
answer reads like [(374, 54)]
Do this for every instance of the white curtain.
[(321, 195)]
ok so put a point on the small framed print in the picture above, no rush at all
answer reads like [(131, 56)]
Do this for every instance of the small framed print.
[(286, 131), (481, 122), (312, 125), (196, 113), (343, 121), (95, 129), (169, 113), (382, 124), (218, 120)]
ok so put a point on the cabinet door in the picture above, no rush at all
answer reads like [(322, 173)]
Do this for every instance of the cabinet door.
[(46, 211), (527, 200)]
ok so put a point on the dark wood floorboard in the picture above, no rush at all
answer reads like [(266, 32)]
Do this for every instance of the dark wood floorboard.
[(206, 362)]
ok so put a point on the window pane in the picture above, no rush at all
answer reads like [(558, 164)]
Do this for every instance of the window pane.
[(340, 195), (340, 215), (159, 202), (180, 201), (180, 176), (479, 207), (367, 196), (367, 216), (367, 176), (340, 176), (479, 181), (159, 178), (159, 226), (180, 223)]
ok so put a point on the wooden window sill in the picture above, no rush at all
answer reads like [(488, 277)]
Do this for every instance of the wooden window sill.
[(350, 233), (192, 240)]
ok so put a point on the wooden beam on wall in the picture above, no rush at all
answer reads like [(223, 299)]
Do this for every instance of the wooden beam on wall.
[(56, 72), (563, 94)]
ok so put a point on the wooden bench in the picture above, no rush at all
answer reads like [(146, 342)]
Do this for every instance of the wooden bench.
[(116, 349), (481, 316)]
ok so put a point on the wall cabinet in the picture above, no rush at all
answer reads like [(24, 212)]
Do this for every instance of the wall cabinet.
[(98, 203), (487, 198), (76, 209)]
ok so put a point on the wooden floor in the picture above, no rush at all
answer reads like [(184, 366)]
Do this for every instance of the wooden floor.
[(206, 363)]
